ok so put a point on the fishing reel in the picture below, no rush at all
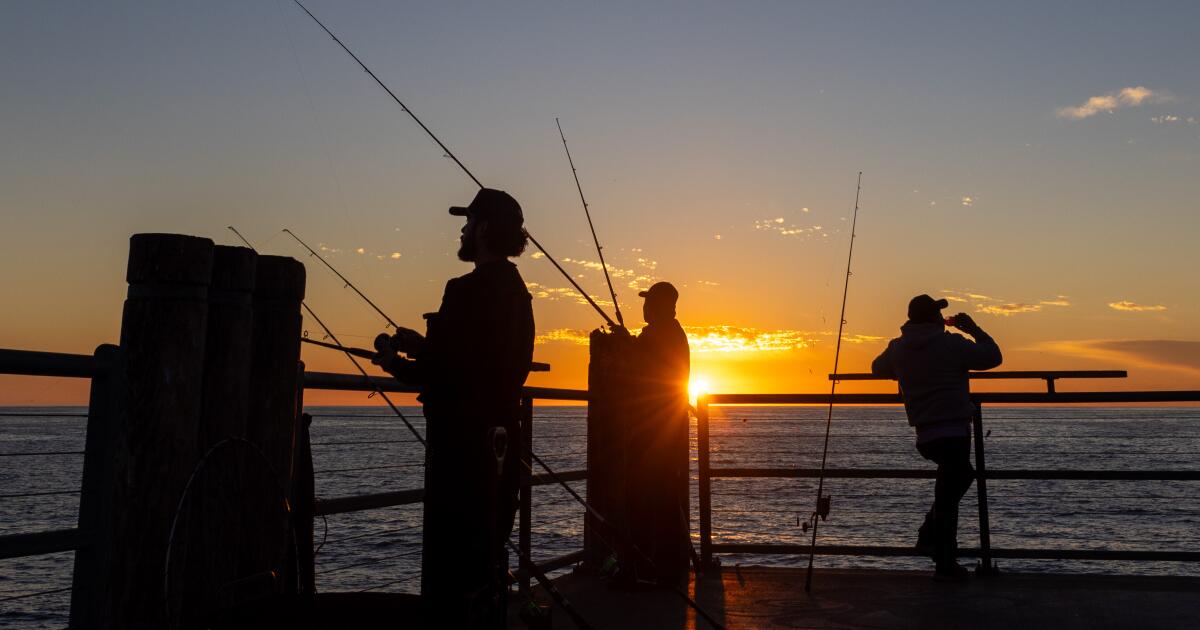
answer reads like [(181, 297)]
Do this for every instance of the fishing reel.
[(823, 504)]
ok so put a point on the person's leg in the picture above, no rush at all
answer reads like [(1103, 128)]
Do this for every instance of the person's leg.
[(927, 533), (953, 480)]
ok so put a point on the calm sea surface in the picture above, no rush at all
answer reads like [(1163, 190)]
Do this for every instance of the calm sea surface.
[(362, 450)]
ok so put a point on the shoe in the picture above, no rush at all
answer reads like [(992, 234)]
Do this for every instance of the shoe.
[(951, 573)]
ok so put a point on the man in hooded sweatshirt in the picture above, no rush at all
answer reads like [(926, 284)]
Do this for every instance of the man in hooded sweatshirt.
[(931, 366)]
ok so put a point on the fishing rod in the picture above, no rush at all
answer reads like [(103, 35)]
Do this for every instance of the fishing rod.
[(376, 389), (538, 574), (587, 212), (542, 249), (450, 154), (599, 517), (349, 285), (352, 352), (821, 511)]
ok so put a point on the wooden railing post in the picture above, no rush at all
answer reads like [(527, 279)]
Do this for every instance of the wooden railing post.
[(273, 418), (90, 599), (217, 520), (524, 539), (985, 534), (162, 337), (705, 489)]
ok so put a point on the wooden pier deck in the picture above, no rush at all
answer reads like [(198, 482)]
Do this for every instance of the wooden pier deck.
[(757, 598)]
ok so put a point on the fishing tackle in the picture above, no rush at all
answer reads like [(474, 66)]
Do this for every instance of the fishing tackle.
[(587, 212), (821, 510), (449, 154)]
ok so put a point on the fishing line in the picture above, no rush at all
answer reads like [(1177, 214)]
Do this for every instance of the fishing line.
[(450, 154), (376, 389), (821, 510), (587, 212), (349, 285)]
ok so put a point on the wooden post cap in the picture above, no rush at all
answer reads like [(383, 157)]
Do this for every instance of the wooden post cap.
[(279, 278), (172, 259)]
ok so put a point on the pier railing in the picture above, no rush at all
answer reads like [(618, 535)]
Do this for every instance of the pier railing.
[(707, 473), (105, 369), (326, 506)]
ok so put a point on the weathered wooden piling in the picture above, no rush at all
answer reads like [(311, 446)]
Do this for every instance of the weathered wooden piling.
[(163, 340), (607, 431), (274, 420), (217, 522)]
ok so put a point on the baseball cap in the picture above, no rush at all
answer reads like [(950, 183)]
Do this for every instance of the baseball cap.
[(491, 204), (661, 291), (923, 308)]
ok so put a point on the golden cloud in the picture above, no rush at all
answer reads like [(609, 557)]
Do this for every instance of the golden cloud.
[(1008, 309), (1158, 354), (1125, 97), (1126, 305), (725, 339)]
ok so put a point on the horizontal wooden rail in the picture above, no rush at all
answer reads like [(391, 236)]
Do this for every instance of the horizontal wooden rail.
[(356, 383), (357, 503), (1006, 398), (30, 363), (341, 505), (1027, 554), (1011, 374), (553, 564), (906, 473), (38, 543)]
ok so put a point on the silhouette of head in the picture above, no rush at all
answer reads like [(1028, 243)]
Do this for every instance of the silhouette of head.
[(494, 226), (660, 302), (926, 310)]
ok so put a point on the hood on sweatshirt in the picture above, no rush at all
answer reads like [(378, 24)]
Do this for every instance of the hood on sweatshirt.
[(917, 335)]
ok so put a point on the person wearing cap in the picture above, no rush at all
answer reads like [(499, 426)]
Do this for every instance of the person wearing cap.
[(931, 365), (660, 363), (470, 366)]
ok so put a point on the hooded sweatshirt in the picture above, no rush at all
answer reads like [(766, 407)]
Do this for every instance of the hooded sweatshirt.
[(931, 365)]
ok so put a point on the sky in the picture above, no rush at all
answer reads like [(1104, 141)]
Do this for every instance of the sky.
[(1036, 163)]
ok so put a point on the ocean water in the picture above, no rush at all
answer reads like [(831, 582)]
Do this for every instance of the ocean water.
[(360, 450)]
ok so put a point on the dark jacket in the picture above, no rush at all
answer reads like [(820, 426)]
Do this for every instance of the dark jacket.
[(931, 365), (478, 349)]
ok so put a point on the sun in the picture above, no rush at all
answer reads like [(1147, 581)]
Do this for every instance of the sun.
[(698, 386)]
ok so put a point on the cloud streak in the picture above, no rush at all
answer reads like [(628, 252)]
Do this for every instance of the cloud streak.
[(1134, 307), (726, 339), (996, 306), (1159, 354), (780, 226), (1125, 97)]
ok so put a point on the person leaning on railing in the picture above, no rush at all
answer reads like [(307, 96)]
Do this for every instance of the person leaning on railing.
[(931, 366)]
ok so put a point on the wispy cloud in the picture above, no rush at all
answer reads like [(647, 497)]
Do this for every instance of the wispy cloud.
[(638, 278), (996, 306), (1162, 354), (1125, 97), (781, 226), (727, 339), (1171, 118), (555, 294), (1008, 309), (1126, 305)]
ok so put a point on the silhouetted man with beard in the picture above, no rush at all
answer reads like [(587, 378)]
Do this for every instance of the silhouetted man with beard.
[(471, 366), (931, 366), (658, 441)]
